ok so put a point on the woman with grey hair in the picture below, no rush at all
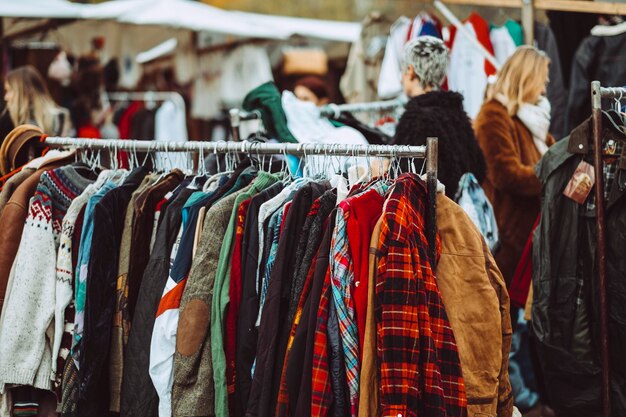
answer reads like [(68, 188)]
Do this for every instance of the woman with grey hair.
[(434, 112)]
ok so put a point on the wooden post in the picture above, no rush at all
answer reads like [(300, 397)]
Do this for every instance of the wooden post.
[(528, 21)]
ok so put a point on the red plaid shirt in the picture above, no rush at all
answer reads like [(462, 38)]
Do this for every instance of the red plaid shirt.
[(420, 371), (321, 396)]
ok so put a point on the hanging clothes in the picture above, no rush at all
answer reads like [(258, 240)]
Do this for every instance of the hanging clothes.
[(360, 80), (600, 57), (273, 295), (468, 69)]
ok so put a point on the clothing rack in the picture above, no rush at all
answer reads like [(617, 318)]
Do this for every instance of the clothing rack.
[(331, 110), (147, 96), (429, 152), (597, 94)]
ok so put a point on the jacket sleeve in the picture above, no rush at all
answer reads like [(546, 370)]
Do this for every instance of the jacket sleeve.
[(25, 356), (578, 104), (163, 342), (193, 391), (504, 167), (505, 393)]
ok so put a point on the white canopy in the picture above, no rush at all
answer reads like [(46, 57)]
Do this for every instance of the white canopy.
[(40, 9), (313, 28), (182, 14)]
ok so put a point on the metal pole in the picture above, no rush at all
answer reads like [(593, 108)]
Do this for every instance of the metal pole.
[(300, 149), (235, 121), (596, 112), (432, 157)]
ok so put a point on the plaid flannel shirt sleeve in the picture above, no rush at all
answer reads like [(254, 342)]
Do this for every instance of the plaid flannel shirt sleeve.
[(420, 371), (321, 396), (342, 281)]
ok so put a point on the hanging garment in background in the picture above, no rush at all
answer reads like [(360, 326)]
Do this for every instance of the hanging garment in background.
[(600, 57), (359, 82), (556, 90), (468, 69), (402, 31), (472, 199), (244, 69), (170, 124), (503, 44), (206, 89), (389, 82)]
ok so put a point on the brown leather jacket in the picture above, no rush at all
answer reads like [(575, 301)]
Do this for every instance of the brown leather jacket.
[(477, 303)]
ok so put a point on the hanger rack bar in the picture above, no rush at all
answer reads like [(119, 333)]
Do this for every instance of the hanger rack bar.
[(300, 149), (331, 110), (147, 96), (613, 92)]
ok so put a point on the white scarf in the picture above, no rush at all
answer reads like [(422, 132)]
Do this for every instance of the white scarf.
[(536, 118)]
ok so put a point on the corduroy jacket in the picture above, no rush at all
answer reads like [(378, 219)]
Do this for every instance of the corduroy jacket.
[(477, 303)]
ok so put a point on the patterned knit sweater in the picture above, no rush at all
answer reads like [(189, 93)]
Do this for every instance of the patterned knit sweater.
[(27, 329)]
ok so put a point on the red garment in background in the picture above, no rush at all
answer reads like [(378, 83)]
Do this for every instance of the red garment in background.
[(124, 129), (232, 309), (89, 132), (522, 279), (365, 210), (481, 27)]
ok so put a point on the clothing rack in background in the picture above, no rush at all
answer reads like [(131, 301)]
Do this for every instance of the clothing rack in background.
[(429, 152), (331, 110), (147, 96), (597, 94)]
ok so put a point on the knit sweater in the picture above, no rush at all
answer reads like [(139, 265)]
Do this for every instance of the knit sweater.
[(25, 348)]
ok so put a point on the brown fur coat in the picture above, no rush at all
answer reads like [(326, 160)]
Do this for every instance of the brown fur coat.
[(511, 184)]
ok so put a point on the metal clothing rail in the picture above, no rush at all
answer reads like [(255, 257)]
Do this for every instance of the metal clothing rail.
[(300, 149), (331, 110), (597, 94), (147, 96), (429, 152)]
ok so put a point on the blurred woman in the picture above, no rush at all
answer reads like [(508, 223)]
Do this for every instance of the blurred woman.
[(512, 130), (312, 89), (28, 101)]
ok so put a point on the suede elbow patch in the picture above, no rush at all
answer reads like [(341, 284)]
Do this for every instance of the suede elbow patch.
[(193, 325)]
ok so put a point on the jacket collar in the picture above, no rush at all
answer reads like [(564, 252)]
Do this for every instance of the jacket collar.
[(581, 137)]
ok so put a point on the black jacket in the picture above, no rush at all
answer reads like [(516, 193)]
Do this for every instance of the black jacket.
[(440, 114), (139, 398), (109, 217), (601, 58), (556, 91), (271, 346), (565, 312), (246, 329), (299, 373)]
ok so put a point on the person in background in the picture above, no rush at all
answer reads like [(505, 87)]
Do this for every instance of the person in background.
[(312, 89), (28, 101), (512, 130), (432, 112)]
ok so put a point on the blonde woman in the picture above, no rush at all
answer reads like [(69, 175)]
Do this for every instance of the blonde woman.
[(512, 130), (28, 101)]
